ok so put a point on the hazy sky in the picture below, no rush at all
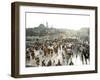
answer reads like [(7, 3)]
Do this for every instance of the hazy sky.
[(57, 20)]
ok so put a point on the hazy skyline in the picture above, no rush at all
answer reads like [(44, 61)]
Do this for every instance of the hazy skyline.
[(74, 22)]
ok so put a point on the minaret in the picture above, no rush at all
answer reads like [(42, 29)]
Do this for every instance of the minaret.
[(46, 24)]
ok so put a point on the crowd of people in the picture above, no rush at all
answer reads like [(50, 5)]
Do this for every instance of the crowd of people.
[(57, 52)]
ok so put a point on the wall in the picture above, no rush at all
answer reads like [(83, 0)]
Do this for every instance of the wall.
[(5, 40)]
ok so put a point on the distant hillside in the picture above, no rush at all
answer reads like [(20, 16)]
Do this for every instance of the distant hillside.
[(42, 31)]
